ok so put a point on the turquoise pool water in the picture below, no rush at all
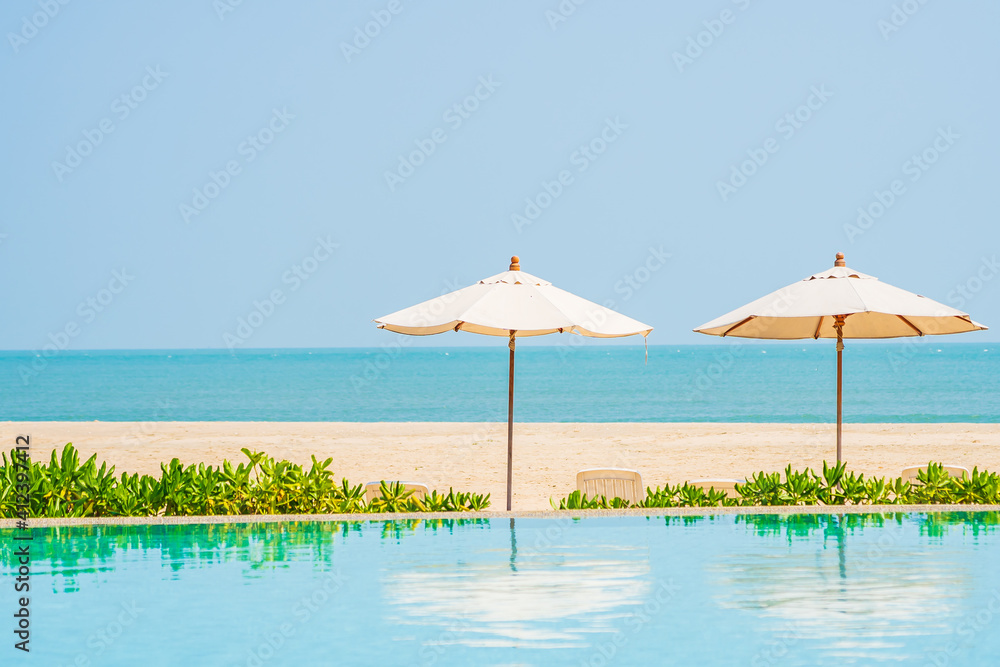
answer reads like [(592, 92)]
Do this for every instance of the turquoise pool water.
[(731, 589)]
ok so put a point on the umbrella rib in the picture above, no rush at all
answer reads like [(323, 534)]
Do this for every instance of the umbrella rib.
[(819, 325), (737, 325), (911, 325), (574, 327), (463, 319), (858, 294), (965, 318)]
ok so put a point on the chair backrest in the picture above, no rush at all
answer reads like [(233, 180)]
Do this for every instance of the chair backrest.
[(720, 484), (373, 490), (910, 474), (611, 483)]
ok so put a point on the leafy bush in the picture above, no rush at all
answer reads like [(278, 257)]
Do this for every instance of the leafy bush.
[(66, 488), (834, 486)]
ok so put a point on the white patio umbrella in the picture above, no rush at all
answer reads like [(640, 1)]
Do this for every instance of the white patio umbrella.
[(513, 304), (840, 303)]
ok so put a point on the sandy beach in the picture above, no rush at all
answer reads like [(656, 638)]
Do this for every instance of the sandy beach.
[(472, 457)]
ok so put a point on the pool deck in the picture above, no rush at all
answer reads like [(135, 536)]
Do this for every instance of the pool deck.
[(551, 514)]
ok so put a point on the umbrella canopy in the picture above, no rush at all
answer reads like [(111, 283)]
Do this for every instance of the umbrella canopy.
[(808, 309), (513, 304), (840, 303), (513, 300)]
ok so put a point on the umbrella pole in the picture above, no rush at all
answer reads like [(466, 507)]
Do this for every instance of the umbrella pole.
[(839, 326), (510, 421)]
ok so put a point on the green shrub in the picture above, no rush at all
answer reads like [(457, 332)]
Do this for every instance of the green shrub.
[(67, 488), (834, 486)]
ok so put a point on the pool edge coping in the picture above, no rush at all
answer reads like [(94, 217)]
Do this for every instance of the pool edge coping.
[(535, 514)]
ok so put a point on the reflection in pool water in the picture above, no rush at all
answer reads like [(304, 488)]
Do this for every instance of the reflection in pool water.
[(555, 597), (728, 589), (859, 602)]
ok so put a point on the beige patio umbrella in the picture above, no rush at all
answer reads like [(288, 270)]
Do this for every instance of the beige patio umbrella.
[(513, 304), (840, 303)]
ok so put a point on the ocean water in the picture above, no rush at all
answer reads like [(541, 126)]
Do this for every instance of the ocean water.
[(911, 589), (919, 380)]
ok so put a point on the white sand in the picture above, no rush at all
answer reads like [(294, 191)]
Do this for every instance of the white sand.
[(472, 457)]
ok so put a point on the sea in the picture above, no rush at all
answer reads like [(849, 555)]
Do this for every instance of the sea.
[(920, 380)]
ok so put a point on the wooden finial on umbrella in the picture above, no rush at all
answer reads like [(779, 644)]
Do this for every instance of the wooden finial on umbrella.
[(515, 263), (840, 260)]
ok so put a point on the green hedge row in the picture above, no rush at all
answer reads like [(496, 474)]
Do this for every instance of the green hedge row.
[(66, 488), (835, 486)]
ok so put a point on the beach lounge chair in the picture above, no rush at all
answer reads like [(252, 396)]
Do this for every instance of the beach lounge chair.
[(372, 490), (719, 484), (611, 483), (910, 474)]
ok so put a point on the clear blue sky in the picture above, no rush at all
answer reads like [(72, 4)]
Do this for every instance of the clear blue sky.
[(310, 128)]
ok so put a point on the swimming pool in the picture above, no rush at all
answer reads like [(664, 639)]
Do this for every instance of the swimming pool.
[(728, 589)]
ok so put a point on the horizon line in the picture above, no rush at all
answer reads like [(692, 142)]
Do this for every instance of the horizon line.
[(748, 341)]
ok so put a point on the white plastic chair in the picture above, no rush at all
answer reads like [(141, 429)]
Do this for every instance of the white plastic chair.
[(719, 484), (910, 474), (373, 490), (611, 483)]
